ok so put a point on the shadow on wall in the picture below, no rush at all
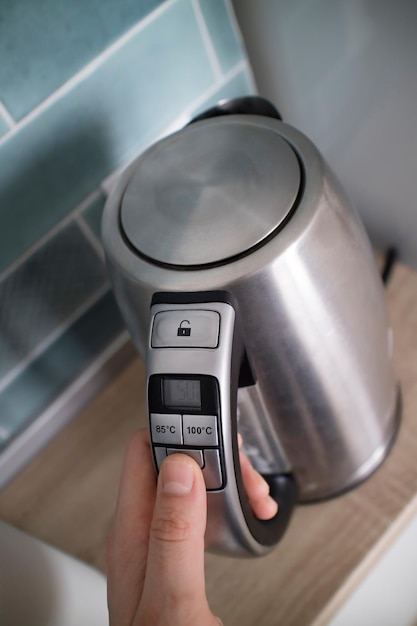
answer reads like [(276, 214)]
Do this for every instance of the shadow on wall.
[(45, 173), (62, 278)]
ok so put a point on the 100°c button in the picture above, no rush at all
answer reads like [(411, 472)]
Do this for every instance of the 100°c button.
[(200, 430)]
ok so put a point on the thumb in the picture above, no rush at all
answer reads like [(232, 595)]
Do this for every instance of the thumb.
[(174, 590)]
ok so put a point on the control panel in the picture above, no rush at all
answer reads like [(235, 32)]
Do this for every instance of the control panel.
[(187, 345), (184, 413), (188, 367)]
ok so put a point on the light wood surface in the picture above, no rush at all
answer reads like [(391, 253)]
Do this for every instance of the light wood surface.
[(66, 496)]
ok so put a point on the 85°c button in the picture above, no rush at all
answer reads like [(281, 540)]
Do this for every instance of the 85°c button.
[(166, 428)]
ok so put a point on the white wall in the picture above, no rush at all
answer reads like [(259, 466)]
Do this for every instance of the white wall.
[(345, 73)]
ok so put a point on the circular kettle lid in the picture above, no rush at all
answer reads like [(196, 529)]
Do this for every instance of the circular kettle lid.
[(210, 192)]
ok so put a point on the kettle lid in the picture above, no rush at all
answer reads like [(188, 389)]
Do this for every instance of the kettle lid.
[(209, 193)]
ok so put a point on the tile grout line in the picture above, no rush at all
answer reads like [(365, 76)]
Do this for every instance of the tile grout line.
[(217, 85), (205, 36), (50, 234), (90, 236), (89, 68), (235, 24), (7, 116), (53, 336), (236, 28)]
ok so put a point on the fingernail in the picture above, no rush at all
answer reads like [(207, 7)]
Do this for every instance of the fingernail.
[(177, 478)]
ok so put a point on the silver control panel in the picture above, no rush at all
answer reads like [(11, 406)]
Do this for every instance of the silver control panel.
[(183, 394)]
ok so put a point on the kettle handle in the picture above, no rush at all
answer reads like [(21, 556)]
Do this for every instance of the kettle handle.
[(245, 105), (192, 385)]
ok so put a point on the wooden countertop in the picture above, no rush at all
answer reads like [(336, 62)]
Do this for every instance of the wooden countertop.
[(66, 496)]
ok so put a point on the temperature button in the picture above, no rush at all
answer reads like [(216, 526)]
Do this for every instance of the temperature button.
[(200, 430), (166, 428)]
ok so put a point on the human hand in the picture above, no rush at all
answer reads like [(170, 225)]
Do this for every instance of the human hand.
[(155, 553)]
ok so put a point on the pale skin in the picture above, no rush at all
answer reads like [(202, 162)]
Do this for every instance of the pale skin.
[(155, 553)]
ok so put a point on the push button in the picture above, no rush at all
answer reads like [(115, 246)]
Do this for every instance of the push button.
[(160, 454), (166, 428), (200, 430), (212, 469), (197, 455), (186, 328)]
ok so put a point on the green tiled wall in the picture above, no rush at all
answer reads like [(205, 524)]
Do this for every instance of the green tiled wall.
[(84, 87)]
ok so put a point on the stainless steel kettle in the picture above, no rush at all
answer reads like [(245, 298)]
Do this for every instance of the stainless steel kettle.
[(249, 285)]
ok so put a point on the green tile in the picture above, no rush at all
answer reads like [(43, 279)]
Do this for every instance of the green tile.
[(62, 155), (92, 215), (44, 292), (29, 394), (224, 36), (43, 43)]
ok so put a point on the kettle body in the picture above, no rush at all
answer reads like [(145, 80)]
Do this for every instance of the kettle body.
[(246, 205)]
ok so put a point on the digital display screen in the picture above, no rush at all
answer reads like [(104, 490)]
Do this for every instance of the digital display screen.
[(180, 392)]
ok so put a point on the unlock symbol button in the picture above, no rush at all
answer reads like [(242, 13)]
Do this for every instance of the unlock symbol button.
[(184, 331), (185, 328)]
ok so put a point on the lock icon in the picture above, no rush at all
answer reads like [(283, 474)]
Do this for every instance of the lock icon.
[(184, 332)]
